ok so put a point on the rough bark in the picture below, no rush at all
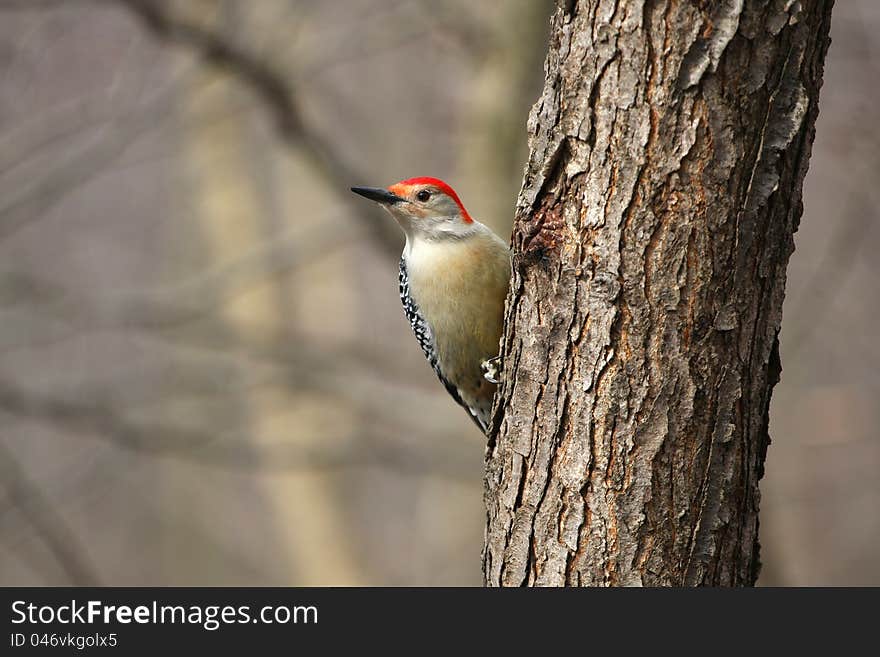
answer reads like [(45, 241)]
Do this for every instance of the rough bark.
[(652, 234)]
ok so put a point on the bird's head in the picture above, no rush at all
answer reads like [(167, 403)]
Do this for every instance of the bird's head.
[(425, 208)]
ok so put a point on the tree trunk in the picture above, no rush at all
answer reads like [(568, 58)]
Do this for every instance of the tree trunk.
[(652, 234)]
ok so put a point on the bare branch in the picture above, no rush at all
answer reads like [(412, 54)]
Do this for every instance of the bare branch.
[(78, 169), (272, 86), (102, 421), (50, 525)]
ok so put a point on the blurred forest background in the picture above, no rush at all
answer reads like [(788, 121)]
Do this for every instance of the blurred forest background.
[(205, 373)]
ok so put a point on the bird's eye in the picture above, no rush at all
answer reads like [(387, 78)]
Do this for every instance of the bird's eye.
[(423, 195)]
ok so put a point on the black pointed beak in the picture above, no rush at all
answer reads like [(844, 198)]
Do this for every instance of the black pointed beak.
[(378, 194)]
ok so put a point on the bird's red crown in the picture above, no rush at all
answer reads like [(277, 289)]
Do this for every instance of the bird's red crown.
[(403, 186)]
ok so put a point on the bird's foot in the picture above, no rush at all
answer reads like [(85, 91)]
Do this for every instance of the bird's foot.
[(491, 369)]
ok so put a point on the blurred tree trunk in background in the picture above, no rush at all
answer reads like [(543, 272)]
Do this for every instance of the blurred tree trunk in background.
[(491, 165), (652, 235), (233, 212)]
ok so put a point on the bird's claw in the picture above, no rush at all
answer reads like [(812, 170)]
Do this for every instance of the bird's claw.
[(491, 368)]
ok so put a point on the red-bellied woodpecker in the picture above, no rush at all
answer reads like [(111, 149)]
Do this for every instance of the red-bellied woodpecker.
[(454, 274)]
